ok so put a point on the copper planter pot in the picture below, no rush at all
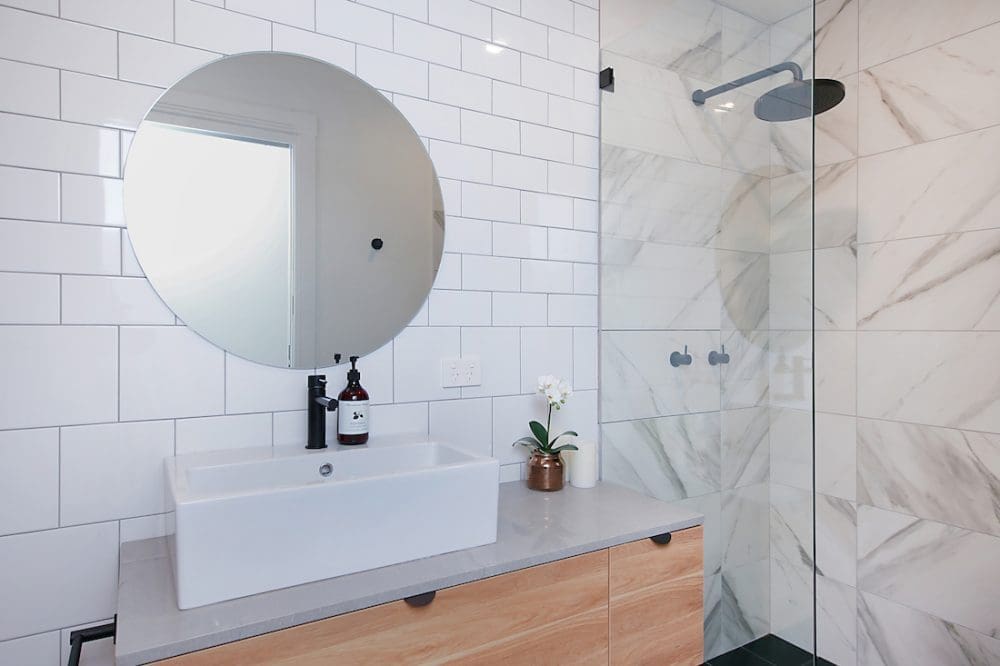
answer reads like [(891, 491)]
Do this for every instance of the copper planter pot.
[(545, 471)]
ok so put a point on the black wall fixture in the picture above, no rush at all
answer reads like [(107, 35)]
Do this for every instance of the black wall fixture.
[(606, 79), (80, 636)]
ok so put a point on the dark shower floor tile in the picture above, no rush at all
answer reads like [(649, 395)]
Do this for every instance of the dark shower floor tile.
[(767, 651), (738, 657)]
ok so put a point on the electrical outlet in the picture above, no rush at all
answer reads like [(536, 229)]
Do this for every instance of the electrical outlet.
[(465, 371)]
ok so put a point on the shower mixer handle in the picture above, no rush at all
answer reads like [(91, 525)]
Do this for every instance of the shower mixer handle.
[(678, 359), (715, 358)]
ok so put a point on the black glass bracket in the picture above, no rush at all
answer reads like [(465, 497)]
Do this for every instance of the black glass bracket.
[(606, 79)]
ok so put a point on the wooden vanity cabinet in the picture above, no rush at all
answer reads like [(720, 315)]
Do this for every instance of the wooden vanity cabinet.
[(632, 604)]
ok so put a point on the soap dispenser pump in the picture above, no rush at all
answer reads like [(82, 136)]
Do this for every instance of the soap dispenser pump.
[(352, 421)]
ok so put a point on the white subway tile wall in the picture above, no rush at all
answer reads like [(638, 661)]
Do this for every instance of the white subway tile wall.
[(503, 92)]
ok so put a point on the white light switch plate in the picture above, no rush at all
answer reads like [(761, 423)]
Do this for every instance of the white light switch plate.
[(464, 371)]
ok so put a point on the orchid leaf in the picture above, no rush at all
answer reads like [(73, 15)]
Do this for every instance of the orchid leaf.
[(568, 432), (527, 441), (540, 433), (565, 447)]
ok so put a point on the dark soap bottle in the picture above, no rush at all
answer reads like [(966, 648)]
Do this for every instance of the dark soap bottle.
[(352, 419)]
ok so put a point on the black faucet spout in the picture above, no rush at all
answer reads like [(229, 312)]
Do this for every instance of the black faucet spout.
[(319, 405)]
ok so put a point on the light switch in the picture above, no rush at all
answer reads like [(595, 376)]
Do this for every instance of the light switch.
[(465, 371)]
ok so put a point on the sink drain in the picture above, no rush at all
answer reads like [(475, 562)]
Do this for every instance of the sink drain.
[(326, 469)]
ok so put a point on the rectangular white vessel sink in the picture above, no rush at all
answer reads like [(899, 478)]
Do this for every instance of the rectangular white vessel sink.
[(254, 520)]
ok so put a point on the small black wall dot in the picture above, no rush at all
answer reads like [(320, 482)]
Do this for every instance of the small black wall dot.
[(419, 600), (661, 539), (606, 79), (678, 359), (715, 358), (377, 243)]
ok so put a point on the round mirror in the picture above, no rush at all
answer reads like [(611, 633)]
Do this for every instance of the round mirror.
[(284, 209)]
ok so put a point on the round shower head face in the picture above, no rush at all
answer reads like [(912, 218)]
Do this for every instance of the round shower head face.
[(797, 100)]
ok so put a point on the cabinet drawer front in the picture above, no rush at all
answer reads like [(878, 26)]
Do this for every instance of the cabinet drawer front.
[(502, 616), (656, 601)]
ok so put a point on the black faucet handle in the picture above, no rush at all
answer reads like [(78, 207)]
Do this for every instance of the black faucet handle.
[(317, 382)]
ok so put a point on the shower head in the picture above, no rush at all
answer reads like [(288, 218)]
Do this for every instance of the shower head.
[(791, 101)]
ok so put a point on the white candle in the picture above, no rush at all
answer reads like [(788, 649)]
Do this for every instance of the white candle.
[(583, 464)]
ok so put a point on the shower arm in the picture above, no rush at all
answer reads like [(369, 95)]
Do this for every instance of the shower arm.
[(699, 96)]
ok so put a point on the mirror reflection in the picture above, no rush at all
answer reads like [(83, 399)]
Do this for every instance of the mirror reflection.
[(284, 209)]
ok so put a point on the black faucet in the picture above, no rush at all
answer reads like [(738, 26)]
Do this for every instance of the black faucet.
[(319, 405)]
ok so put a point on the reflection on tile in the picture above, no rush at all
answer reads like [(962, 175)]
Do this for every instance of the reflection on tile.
[(937, 187), (836, 623), (946, 89), (835, 363), (744, 378), (836, 455), (669, 458), (639, 382), (791, 369), (835, 191), (745, 603), (745, 451), (938, 283), (791, 291), (791, 447), (744, 278), (744, 525), (836, 539), (889, 634), (744, 223), (937, 473), (930, 566), (918, 373)]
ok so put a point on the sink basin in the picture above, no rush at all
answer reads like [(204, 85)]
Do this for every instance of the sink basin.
[(253, 520)]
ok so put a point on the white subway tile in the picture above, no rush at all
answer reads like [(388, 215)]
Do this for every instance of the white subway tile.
[(585, 22), (520, 103), (468, 18), (574, 181), (460, 88), (572, 310), (490, 203), (490, 274), (93, 200), (415, 9), (144, 527), (585, 279), (520, 309), (519, 34), (573, 50), (490, 60), (88, 299), (519, 240), (489, 131), (430, 119), (29, 298), (567, 245), (497, 348), (546, 143), (451, 192), (29, 194), (459, 308), (29, 493), (154, 18), (292, 428), (453, 160), (465, 424), (130, 264), (50, 144), (408, 419), (223, 432), (83, 360), (586, 215), (575, 116), (113, 470), (426, 42), (545, 351), (586, 151), (45, 247), (157, 63), (95, 100), (449, 275), (511, 415), (169, 372), (29, 89), (548, 210), (586, 86), (557, 13), (584, 358), (41, 568), (548, 277), (321, 47), (419, 352), (253, 387), (50, 7), (526, 173), (396, 73), (36, 650), (44, 40), (546, 75), (215, 29), (466, 236), (300, 13)]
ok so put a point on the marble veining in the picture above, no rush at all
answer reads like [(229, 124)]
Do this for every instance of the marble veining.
[(745, 603), (791, 447), (835, 190), (836, 539), (942, 474), (745, 453), (836, 455), (744, 525), (744, 378), (836, 621), (744, 280)]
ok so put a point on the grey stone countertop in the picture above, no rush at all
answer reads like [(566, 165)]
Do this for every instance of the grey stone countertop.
[(533, 528)]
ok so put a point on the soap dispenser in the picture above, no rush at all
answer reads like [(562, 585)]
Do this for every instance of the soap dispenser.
[(352, 422)]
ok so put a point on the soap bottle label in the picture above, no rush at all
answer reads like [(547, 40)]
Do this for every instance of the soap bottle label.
[(353, 417)]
